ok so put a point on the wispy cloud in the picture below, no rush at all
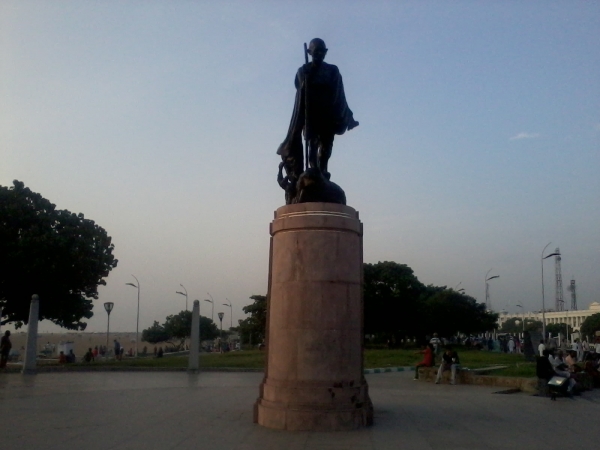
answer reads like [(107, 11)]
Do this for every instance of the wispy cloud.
[(525, 135)]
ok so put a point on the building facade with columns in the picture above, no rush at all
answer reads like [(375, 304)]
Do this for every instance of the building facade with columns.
[(572, 318)]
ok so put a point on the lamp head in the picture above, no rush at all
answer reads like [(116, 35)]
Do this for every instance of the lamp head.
[(108, 306)]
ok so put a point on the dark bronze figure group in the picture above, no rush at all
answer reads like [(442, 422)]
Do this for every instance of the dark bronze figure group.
[(320, 112)]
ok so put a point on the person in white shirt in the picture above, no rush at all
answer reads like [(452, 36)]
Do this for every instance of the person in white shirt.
[(577, 349), (435, 341), (511, 345), (541, 348)]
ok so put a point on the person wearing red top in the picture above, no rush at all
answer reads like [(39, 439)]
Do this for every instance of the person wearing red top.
[(427, 359)]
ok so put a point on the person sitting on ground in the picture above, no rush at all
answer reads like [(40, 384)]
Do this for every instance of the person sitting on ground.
[(71, 356), (451, 362), (427, 361), (543, 368), (62, 358), (562, 371), (591, 369), (89, 356), (571, 361), (556, 358)]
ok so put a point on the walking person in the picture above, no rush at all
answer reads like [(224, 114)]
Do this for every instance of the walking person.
[(117, 347), (5, 346), (511, 345)]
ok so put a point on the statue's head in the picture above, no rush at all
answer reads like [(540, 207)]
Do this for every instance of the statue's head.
[(317, 49)]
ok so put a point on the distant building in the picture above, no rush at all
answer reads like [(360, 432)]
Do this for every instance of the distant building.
[(573, 318)]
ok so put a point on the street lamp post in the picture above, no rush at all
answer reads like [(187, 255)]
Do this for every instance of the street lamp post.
[(523, 314), (137, 325), (212, 316), (543, 298), (487, 289), (184, 294), (221, 337), (108, 306), (231, 311)]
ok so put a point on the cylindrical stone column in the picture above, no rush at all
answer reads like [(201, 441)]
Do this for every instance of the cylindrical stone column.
[(314, 375), (193, 364), (30, 362)]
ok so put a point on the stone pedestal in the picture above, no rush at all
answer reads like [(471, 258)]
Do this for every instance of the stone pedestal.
[(314, 374)]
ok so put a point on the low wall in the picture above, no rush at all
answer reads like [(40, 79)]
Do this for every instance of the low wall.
[(468, 377)]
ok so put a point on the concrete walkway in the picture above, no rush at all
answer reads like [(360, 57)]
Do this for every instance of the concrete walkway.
[(104, 410)]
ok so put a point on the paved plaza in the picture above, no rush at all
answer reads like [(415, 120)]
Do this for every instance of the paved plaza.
[(174, 410)]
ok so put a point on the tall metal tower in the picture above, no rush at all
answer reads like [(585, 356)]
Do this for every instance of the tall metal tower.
[(560, 303), (573, 295)]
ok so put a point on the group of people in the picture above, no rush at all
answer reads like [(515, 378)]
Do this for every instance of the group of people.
[(581, 349), (68, 358), (449, 361), (579, 363)]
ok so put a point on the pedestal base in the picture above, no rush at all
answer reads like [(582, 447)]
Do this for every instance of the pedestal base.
[(314, 373), (314, 408)]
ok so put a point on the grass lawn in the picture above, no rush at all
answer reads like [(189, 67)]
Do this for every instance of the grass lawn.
[(380, 358), (253, 359), (472, 359)]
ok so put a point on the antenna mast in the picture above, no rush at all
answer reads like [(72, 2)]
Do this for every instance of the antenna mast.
[(560, 303)]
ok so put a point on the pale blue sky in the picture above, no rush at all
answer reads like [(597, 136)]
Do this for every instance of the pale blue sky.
[(479, 137)]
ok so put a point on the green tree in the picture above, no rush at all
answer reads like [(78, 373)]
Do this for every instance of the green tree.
[(511, 326), (449, 312), (254, 327), (555, 328), (391, 297), (177, 328), (155, 334), (61, 256), (590, 325)]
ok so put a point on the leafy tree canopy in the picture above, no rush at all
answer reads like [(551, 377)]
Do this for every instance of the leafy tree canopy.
[(448, 312), (61, 256), (391, 296), (155, 334), (511, 325), (178, 327), (590, 325), (555, 328), (253, 327), (398, 304)]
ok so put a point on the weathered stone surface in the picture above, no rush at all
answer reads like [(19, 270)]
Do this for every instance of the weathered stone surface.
[(314, 375)]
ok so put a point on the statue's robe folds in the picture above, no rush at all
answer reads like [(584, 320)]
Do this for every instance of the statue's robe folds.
[(328, 112)]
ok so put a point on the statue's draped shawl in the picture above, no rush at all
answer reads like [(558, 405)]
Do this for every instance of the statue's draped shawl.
[(328, 111)]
